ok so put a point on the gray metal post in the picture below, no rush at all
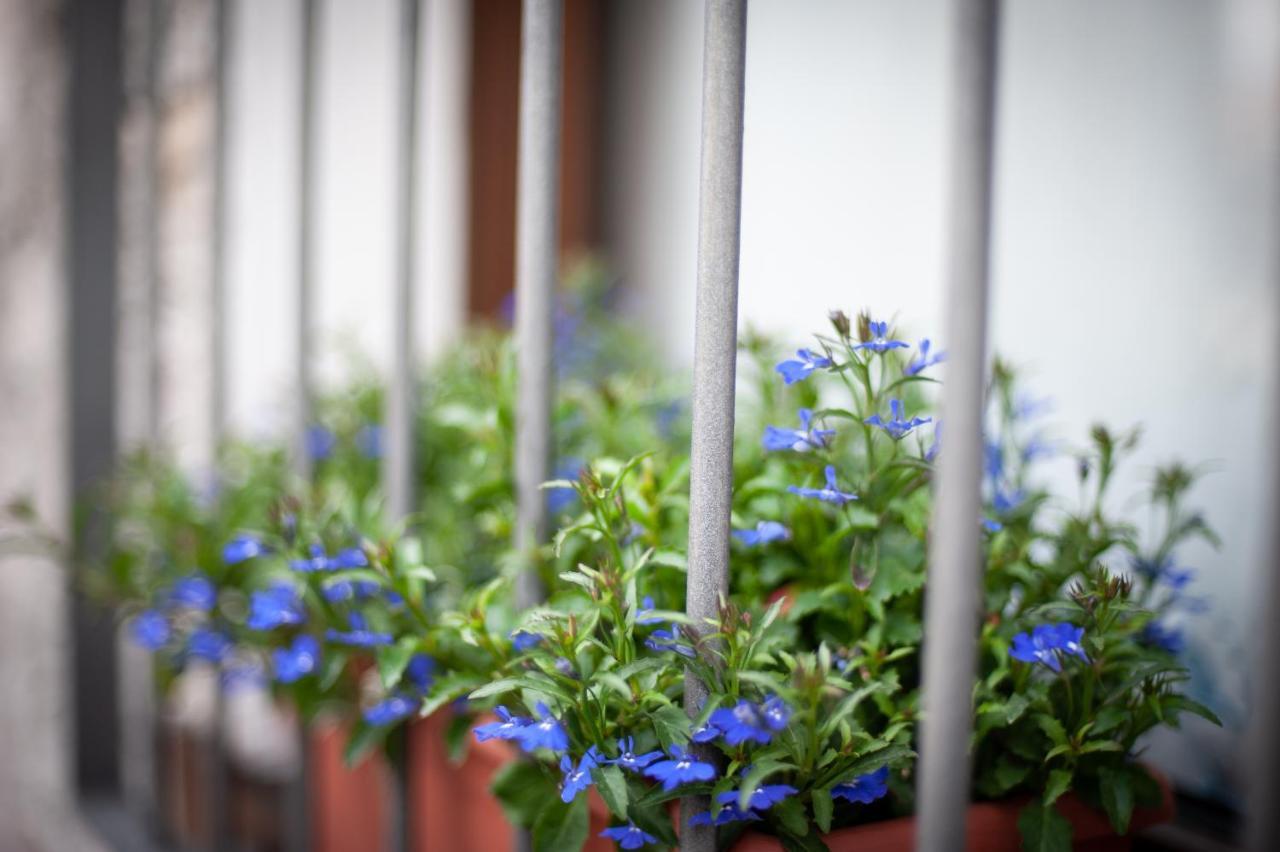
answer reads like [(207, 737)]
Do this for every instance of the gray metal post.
[(398, 462), (309, 56), (715, 342), (955, 550), (297, 805), (537, 237)]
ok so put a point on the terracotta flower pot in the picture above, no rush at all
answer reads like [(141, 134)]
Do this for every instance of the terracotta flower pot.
[(991, 827), (349, 806)]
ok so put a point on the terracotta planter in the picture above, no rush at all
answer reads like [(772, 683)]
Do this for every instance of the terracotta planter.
[(991, 827), (451, 806), (350, 807)]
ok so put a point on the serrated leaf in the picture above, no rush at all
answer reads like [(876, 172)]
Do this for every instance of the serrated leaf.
[(1182, 703), (364, 738), (822, 808), (1059, 782), (671, 725), (613, 789), (1043, 829), (498, 687), (1116, 792), (392, 660), (1052, 729)]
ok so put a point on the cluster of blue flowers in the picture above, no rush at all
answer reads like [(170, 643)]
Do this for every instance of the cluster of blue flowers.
[(193, 595), (1048, 644), (765, 532), (745, 722), (802, 440), (531, 734), (319, 560), (419, 674)]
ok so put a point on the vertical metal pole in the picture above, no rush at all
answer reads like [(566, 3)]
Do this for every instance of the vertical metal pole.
[(715, 342), (309, 56), (398, 462), (1262, 756), (297, 804), (537, 238), (955, 550)]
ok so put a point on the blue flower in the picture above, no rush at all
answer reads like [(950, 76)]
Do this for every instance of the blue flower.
[(741, 723), (208, 645), (679, 768), (545, 732), (320, 442), (628, 759), (242, 548), (1047, 642), (897, 426), (298, 660), (993, 460), (507, 728), (392, 710), (830, 494), (775, 712), (707, 733), (1005, 501), (351, 557), (194, 591), (339, 591), (421, 671), (762, 798), (274, 606), (765, 532), (150, 629), (801, 440), (560, 499), (629, 836), (523, 640), (799, 369), (1157, 635), (879, 341), (645, 615), (991, 525), (727, 814), (369, 441), (668, 640), (577, 778), (359, 635), (864, 789), (1177, 578), (317, 561), (925, 360), (935, 447)]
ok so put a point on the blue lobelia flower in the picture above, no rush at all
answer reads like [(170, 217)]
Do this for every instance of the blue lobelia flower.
[(194, 591), (668, 640), (351, 557), (1157, 635), (317, 560), (242, 548), (1177, 579), (544, 732), (802, 440), (645, 615), (762, 798), (369, 440), (1047, 643), (741, 723), (523, 640), (1004, 500), (897, 426), (150, 629), (925, 360), (628, 759), (421, 672), (298, 660), (507, 728), (680, 767), (392, 710), (274, 606), (864, 789), (340, 591), (359, 634), (206, 644), (830, 494), (765, 532), (879, 341), (577, 778), (802, 366), (629, 836), (726, 814), (775, 713), (320, 442)]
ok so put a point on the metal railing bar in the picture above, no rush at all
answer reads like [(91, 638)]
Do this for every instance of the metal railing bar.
[(537, 248), (955, 559), (715, 343)]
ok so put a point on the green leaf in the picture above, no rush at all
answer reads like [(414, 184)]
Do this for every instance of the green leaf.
[(822, 808), (561, 827), (1109, 718), (1059, 782), (1182, 703), (1116, 792), (791, 817), (498, 687), (335, 663), (522, 790), (671, 725), (364, 738), (1052, 729), (392, 660), (1043, 829), (613, 789)]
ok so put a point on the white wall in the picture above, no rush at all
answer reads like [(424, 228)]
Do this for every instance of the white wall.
[(1130, 251)]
